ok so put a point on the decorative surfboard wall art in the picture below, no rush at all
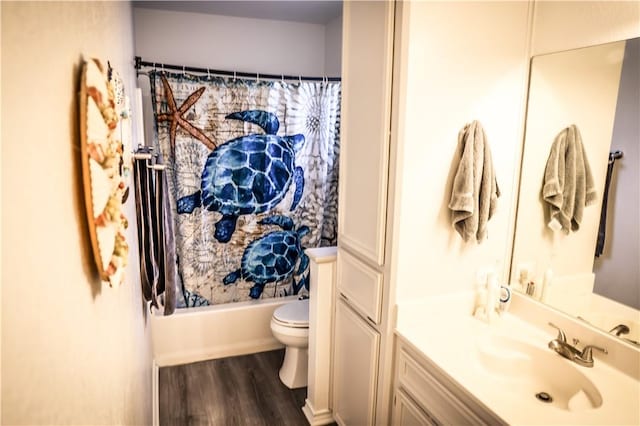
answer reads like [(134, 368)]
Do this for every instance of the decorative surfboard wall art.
[(105, 139)]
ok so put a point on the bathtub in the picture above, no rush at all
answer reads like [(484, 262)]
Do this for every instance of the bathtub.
[(218, 331)]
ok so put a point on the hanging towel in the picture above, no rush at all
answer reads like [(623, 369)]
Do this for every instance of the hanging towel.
[(156, 244), (568, 184), (475, 188)]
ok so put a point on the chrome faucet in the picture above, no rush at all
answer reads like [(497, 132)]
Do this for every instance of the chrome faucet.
[(582, 357), (620, 329)]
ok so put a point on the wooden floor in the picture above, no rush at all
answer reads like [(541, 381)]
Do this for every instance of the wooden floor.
[(243, 390)]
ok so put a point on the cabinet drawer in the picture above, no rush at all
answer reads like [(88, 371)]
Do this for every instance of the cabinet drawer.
[(431, 394), (360, 284), (407, 413)]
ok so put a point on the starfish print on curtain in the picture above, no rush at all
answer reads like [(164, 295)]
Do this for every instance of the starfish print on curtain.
[(175, 115)]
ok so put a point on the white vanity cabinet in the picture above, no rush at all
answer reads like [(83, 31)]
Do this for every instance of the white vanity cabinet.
[(362, 336), (424, 395)]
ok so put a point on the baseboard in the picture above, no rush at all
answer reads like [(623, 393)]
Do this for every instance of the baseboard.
[(155, 394), (222, 351), (322, 417)]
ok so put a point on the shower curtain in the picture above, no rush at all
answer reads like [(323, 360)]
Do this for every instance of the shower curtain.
[(252, 169)]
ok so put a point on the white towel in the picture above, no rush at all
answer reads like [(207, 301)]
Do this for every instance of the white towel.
[(475, 189), (568, 184)]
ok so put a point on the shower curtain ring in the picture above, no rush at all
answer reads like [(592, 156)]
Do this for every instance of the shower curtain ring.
[(184, 72), (208, 73), (234, 76), (257, 77), (282, 78), (300, 79)]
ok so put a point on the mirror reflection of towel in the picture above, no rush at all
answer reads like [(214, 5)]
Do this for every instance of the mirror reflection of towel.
[(568, 184), (475, 189)]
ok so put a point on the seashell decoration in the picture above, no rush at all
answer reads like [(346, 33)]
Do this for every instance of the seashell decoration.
[(103, 167)]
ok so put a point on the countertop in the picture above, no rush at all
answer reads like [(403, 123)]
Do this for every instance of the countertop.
[(452, 341)]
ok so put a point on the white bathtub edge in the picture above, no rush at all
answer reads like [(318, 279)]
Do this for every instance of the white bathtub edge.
[(205, 354), (218, 332)]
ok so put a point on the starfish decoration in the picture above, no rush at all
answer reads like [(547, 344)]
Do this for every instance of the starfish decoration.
[(176, 116)]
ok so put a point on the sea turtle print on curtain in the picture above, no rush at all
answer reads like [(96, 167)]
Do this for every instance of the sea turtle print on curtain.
[(273, 257), (251, 165), (248, 175)]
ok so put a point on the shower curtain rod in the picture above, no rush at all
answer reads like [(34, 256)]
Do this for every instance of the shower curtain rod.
[(139, 63)]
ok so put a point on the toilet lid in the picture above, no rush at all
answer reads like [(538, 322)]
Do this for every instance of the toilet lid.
[(293, 314)]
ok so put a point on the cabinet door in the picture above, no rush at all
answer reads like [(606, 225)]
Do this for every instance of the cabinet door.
[(407, 413), (355, 368), (367, 56)]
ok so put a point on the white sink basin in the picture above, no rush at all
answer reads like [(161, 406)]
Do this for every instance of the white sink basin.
[(538, 374), (504, 364)]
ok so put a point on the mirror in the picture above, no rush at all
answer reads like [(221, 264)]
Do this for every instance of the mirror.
[(597, 89)]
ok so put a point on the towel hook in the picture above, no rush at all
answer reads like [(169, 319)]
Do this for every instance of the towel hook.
[(615, 155)]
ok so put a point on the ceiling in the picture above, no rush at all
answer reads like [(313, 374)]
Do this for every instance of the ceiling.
[(310, 11)]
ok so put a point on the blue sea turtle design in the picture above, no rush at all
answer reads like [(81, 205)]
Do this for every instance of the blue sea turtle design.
[(248, 175), (273, 257)]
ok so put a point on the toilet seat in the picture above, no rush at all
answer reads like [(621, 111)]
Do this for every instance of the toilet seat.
[(293, 314)]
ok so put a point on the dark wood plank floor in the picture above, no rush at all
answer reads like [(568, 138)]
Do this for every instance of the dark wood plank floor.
[(243, 390)]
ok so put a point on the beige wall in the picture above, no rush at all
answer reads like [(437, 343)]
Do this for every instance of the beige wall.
[(462, 61), (74, 351)]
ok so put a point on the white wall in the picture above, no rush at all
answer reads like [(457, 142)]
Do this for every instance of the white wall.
[(463, 61), (74, 351), (333, 47), (618, 270), (229, 43), (563, 25)]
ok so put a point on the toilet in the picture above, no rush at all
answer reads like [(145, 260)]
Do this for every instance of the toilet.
[(290, 325)]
